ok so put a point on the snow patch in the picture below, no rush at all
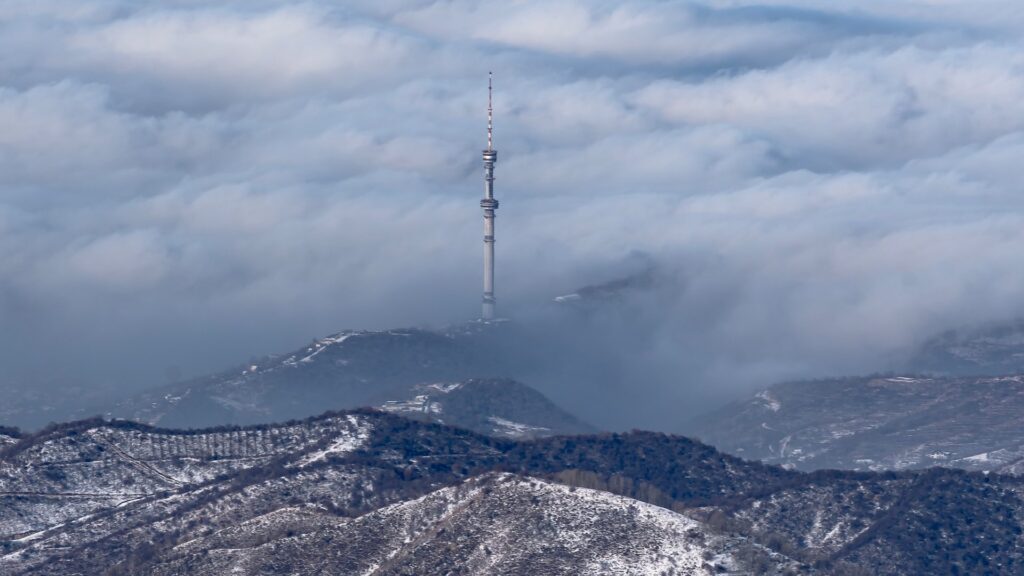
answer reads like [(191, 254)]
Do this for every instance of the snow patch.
[(514, 429), (347, 441), (324, 343), (980, 458), (903, 380), (783, 444), (769, 401), (442, 387), (421, 404)]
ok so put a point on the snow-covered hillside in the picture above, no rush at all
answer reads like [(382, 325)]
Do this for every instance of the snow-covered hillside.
[(497, 407), (877, 423), (370, 491), (446, 376), (493, 524), (93, 466)]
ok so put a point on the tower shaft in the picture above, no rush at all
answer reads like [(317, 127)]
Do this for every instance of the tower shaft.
[(489, 205)]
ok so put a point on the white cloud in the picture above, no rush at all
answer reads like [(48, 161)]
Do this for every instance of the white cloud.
[(830, 185), (862, 110), (638, 33), (266, 53)]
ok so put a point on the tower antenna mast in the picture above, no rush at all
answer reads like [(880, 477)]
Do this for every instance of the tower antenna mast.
[(490, 112)]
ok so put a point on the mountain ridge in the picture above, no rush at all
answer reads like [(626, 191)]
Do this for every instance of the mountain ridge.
[(985, 350), (127, 497), (877, 423), (449, 375)]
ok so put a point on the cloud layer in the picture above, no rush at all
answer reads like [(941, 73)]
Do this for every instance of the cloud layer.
[(188, 183)]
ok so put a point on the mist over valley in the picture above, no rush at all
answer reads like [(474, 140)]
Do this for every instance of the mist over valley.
[(751, 302)]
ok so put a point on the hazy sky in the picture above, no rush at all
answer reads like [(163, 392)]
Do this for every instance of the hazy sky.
[(185, 184)]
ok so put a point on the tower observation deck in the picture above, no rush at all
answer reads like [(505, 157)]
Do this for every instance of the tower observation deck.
[(489, 205)]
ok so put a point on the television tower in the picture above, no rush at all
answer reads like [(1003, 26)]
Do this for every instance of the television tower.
[(489, 204)]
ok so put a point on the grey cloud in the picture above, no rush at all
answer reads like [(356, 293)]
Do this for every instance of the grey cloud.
[(649, 33), (192, 183)]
